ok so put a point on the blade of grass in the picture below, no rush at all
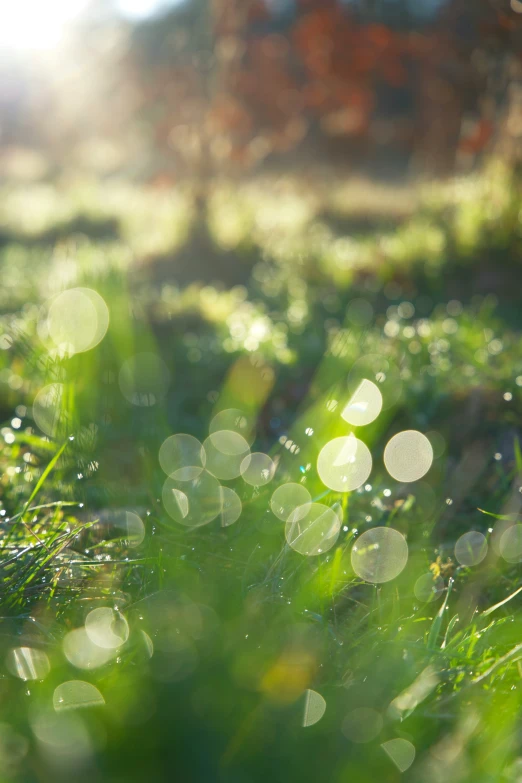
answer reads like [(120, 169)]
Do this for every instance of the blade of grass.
[(35, 492), (491, 609), (437, 622)]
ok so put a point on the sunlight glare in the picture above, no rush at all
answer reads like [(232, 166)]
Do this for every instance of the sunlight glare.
[(37, 24)]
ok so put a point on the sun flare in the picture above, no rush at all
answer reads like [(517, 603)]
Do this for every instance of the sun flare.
[(37, 24)]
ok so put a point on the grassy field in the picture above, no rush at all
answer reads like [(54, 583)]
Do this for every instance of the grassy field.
[(162, 621)]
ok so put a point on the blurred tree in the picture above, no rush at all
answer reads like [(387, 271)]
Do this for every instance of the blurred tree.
[(284, 72), (218, 85)]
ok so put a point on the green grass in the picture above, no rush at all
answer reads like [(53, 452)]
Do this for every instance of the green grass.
[(265, 305)]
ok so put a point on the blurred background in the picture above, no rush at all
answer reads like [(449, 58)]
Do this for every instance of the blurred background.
[(237, 211), (164, 90)]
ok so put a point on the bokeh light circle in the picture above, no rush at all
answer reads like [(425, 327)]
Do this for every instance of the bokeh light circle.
[(344, 464), (312, 529), (106, 628), (28, 663), (129, 527), (471, 548), (83, 653), (225, 465), (182, 457), (408, 456), (77, 320), (287, 498), (76, 694), (428, 587), (510, 544), (257, 469), (401, 752), (231, 506), (234, 420), (229, 442), (364, 405), (48, 410), (379, 555), (382, 372), (193, 503), (62, 737), (314, 707)]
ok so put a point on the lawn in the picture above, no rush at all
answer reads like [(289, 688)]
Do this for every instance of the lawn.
[(261, 482)]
